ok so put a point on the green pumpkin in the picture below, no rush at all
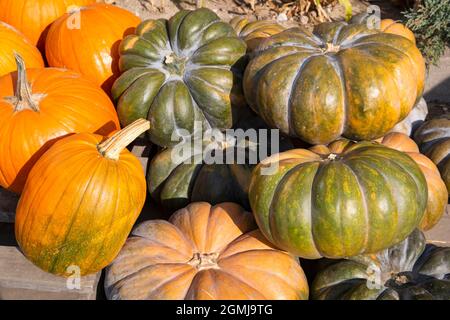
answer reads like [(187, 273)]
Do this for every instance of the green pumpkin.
[(433, 138), (410, 270), (177, 73), (340, 80), (177, 182), (338, 204)]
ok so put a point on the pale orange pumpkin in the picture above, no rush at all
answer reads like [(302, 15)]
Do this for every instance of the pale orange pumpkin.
[(80, 202), (391, 26), (203, 252), (437, 191), (39, 106), (34, 17), (12, 41), (92, 48)]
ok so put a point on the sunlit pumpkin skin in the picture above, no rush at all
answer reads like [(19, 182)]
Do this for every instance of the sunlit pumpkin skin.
[(326, 203), (80, 202), (60, 102), (12, 41), (410, 270), (437, 191), (433, 138), (178, 72), (93, 48), (253, 32), (386, 25), (414, 119), (341, 80), (34, 17), (203, 253)]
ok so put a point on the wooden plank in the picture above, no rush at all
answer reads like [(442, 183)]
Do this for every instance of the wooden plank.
[(20, 279), (440, 234)]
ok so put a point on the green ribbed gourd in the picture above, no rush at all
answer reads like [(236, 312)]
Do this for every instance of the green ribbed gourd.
[(339, 80), (177, 73), (338, 202), (411, 270)]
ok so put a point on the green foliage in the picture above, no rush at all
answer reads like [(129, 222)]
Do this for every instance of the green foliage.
[(430, 22)]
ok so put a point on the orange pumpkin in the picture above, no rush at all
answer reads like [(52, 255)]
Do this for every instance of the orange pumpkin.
[(39, 106), (81, 201), (437, 191), (34, 17), (12, 41), (203, 252), (92, 49), (391, 26)]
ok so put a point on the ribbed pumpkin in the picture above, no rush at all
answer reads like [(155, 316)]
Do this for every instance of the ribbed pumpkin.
[(203, 253), (410, 270), (178, 73), (386, 25), (80, 202), (91, 49), (12, 41), (433, 138), (176, 179), (34, 17), (253, 32), (340, 80), (39, 106), (437, 191), (338, 203)]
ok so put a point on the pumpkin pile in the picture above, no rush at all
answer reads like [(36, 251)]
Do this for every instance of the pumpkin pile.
[(80, 81)]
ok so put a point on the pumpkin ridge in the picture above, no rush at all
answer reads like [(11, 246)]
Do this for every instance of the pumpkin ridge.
[(297, 77), (364, 200), (336, 63)]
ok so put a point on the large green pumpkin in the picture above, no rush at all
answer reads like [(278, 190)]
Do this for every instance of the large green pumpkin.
[(362, 200), (178, 72), (410, 270), (433, 138), (340, 80)]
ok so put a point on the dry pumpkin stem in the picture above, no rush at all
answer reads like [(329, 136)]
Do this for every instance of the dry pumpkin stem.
[(23, 97), (113, 146)]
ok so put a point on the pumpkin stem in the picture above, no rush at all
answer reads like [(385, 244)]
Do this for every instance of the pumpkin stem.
[(113, 146), (24, 98), (332, 48), (332, 156)]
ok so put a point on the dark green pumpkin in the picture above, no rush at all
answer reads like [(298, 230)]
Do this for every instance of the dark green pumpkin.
[(340, 80), (178, 72), (176, 183), (410, 270), (433, 138), (338, 205)]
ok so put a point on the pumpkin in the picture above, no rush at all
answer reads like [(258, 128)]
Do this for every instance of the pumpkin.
[(81, 201), (177, 73), (203, 252), (12, 41), (386, 25), (338, 202), (254, 32), (38, 107), (34, 17), (410, 270), (414, 119), (340, 80), (182, 174), (437, 191), (91, 49), (433, 138)]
